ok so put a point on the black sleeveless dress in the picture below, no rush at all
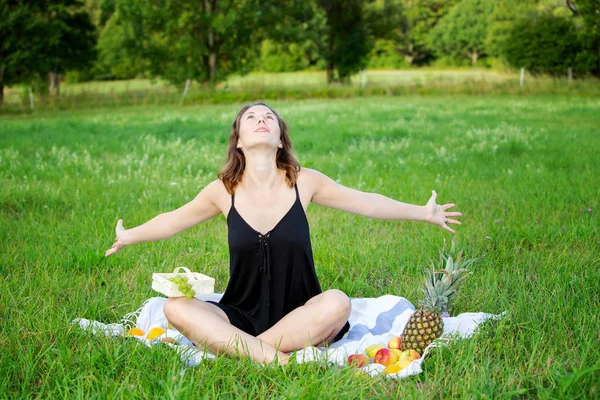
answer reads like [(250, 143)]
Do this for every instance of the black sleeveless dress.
[(270, 274)]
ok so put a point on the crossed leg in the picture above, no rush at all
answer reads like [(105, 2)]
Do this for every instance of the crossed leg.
[(316, 323), (207, 325)]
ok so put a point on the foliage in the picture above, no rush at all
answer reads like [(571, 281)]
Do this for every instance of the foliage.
[(39, 37), (114, 56), (21, 42), (463, 31), (543, 43), (179, 40), (588, 60), (385, 55), (70, 36), (419, 18), (347, 38), (505, 14), (282, 57)]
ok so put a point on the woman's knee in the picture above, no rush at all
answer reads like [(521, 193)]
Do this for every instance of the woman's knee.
[(337, 304), (172, 308)]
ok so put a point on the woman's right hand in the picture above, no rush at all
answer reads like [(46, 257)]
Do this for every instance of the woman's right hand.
[(120, 240)]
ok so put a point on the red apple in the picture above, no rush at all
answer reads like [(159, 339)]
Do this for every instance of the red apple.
[(385, 356), (358, 360)]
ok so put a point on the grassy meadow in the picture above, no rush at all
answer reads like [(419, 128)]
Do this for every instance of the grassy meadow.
[(523, 170)]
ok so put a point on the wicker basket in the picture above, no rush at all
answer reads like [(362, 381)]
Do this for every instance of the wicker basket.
[(200, 282)]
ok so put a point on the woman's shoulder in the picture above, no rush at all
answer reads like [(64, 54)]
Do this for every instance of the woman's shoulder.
[(310, 175), (216, 190), (310, 179)]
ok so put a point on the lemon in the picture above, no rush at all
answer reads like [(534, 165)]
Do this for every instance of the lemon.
[(154, 333), (372, 350), (134, 332)]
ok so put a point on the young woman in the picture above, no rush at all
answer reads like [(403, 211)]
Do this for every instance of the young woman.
[(273, 303)]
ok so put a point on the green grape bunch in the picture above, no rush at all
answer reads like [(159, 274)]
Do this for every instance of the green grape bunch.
[(183, 286)]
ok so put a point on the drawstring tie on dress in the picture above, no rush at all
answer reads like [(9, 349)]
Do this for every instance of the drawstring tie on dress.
[(265, 265)]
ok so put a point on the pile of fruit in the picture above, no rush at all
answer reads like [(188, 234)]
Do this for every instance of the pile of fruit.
[(392, 357), (425, 324)]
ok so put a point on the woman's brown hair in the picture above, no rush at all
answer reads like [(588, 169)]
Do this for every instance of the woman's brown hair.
[(232, 172)]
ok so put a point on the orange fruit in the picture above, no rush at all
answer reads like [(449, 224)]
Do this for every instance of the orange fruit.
[(392, 369), (154, 333), (134, 332)]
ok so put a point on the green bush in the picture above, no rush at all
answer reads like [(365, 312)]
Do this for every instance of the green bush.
[(543, 43), (114, 61), (385, 55), (275, 57)]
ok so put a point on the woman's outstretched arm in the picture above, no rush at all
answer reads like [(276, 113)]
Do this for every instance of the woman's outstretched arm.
[(327, 192), (168, 224)]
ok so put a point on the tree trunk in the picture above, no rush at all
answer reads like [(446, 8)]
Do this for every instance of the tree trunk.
[(54, 84), (212, 62), (206, 63), (1, 86), (212, 53), (410, 56), (330, 63), (474, 57)]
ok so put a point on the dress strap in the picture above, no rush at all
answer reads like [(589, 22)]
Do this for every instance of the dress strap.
[(232, 200), (297, 194)]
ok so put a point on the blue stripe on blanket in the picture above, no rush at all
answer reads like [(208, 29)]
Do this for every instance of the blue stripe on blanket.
[(383, 324)]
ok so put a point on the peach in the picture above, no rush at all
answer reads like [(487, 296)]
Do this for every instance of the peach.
[(385, 356), (397, 351), (395, 342), (358, 360)]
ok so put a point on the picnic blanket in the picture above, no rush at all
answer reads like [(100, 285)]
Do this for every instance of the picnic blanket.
[(372, 321)]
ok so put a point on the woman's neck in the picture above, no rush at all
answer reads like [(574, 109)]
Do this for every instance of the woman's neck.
[(261, 173)]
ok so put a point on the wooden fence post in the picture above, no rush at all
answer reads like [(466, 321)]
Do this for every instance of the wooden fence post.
[(522, 75), (31, 103), (187, 87)]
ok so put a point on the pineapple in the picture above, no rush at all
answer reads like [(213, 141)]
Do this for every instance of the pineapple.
[(425, 324)]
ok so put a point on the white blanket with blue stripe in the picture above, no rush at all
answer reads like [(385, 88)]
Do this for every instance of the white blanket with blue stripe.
[(372, 321)]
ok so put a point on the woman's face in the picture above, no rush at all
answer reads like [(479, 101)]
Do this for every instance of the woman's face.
[(259, 127)]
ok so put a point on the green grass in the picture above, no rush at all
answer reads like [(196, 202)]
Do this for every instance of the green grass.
[(523, 170)]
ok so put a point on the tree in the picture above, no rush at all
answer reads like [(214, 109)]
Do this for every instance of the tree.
[(205, 40), (589, 10), (542, 43), (336, 28), (420, 17), (463, 31), (385, 20), (347, 38), (501, 21), (69, 41), (114, 56), (21, 41)]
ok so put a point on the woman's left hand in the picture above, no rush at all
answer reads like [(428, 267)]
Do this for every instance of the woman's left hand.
[(437, 214)]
